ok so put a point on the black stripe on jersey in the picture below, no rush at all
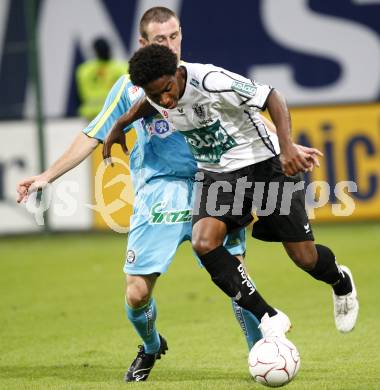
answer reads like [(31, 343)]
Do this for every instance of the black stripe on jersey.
[(222, 90), (229, 90), (263, 138), (245, 102), (266, 100)]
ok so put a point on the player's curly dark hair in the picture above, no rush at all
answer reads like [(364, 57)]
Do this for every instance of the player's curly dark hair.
[(150, 63)]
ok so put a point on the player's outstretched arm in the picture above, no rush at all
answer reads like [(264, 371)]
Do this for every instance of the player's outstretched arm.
[(140, 109), (293, 159), (81, 147)]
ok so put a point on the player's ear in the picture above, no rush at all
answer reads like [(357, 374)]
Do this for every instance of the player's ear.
[(143, 42)]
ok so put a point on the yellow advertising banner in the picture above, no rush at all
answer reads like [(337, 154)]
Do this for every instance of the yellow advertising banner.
[(346, 186), (113, 189)]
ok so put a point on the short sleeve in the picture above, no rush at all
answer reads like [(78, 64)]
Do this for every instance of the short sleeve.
[(120, 98), (234, 90)]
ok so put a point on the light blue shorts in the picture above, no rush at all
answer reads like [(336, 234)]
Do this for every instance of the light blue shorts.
[(161, 221)]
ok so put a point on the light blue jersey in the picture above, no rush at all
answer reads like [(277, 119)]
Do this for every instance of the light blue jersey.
[(158, 151), (162, 169)]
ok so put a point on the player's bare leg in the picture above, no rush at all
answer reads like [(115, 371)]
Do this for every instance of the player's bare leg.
[(139, 289), (319, 261), (208, 234)]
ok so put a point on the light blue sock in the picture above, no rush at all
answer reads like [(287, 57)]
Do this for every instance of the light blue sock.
[(143, 320), (248, 323)]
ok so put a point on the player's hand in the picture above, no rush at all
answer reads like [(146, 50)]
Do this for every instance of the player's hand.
[(312, 155), (27, 186), (115, 136), (295, 159)]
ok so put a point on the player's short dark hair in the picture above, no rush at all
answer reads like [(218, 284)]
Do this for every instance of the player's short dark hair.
[(150, 63), (156, 15)]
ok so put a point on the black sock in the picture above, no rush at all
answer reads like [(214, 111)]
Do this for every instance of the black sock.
[(329, 272), (229, 275), (344, 285)]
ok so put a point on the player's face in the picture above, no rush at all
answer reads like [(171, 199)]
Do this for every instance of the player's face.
[(167, 34), (164, 91)]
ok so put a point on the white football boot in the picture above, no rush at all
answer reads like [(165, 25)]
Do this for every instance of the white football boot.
[(346, 307), (276, 326)]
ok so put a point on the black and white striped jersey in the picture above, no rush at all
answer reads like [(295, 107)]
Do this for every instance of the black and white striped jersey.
[(218, 115)]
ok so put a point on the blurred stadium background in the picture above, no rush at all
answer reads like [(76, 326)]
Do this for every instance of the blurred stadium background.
[(323, 55)]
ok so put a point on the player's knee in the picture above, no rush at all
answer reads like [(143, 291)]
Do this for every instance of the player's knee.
[(203, 245), (136, 297), (303, 258)]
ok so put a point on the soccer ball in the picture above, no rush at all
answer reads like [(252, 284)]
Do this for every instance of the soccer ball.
[(274, 361)]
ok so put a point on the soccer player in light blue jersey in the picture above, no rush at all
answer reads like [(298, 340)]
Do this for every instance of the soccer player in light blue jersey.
[(162, 170)]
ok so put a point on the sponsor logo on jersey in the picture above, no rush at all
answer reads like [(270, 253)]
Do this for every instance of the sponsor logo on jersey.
[(307, 228), (165, 114), (194, 83), (234, 241), (131, 256), (244, 89), (160, 216), (209, 143), (134, 92), (158, 127), (161, 127)]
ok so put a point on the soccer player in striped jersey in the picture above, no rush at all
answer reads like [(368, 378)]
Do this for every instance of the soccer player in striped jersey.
[(218, 113)]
